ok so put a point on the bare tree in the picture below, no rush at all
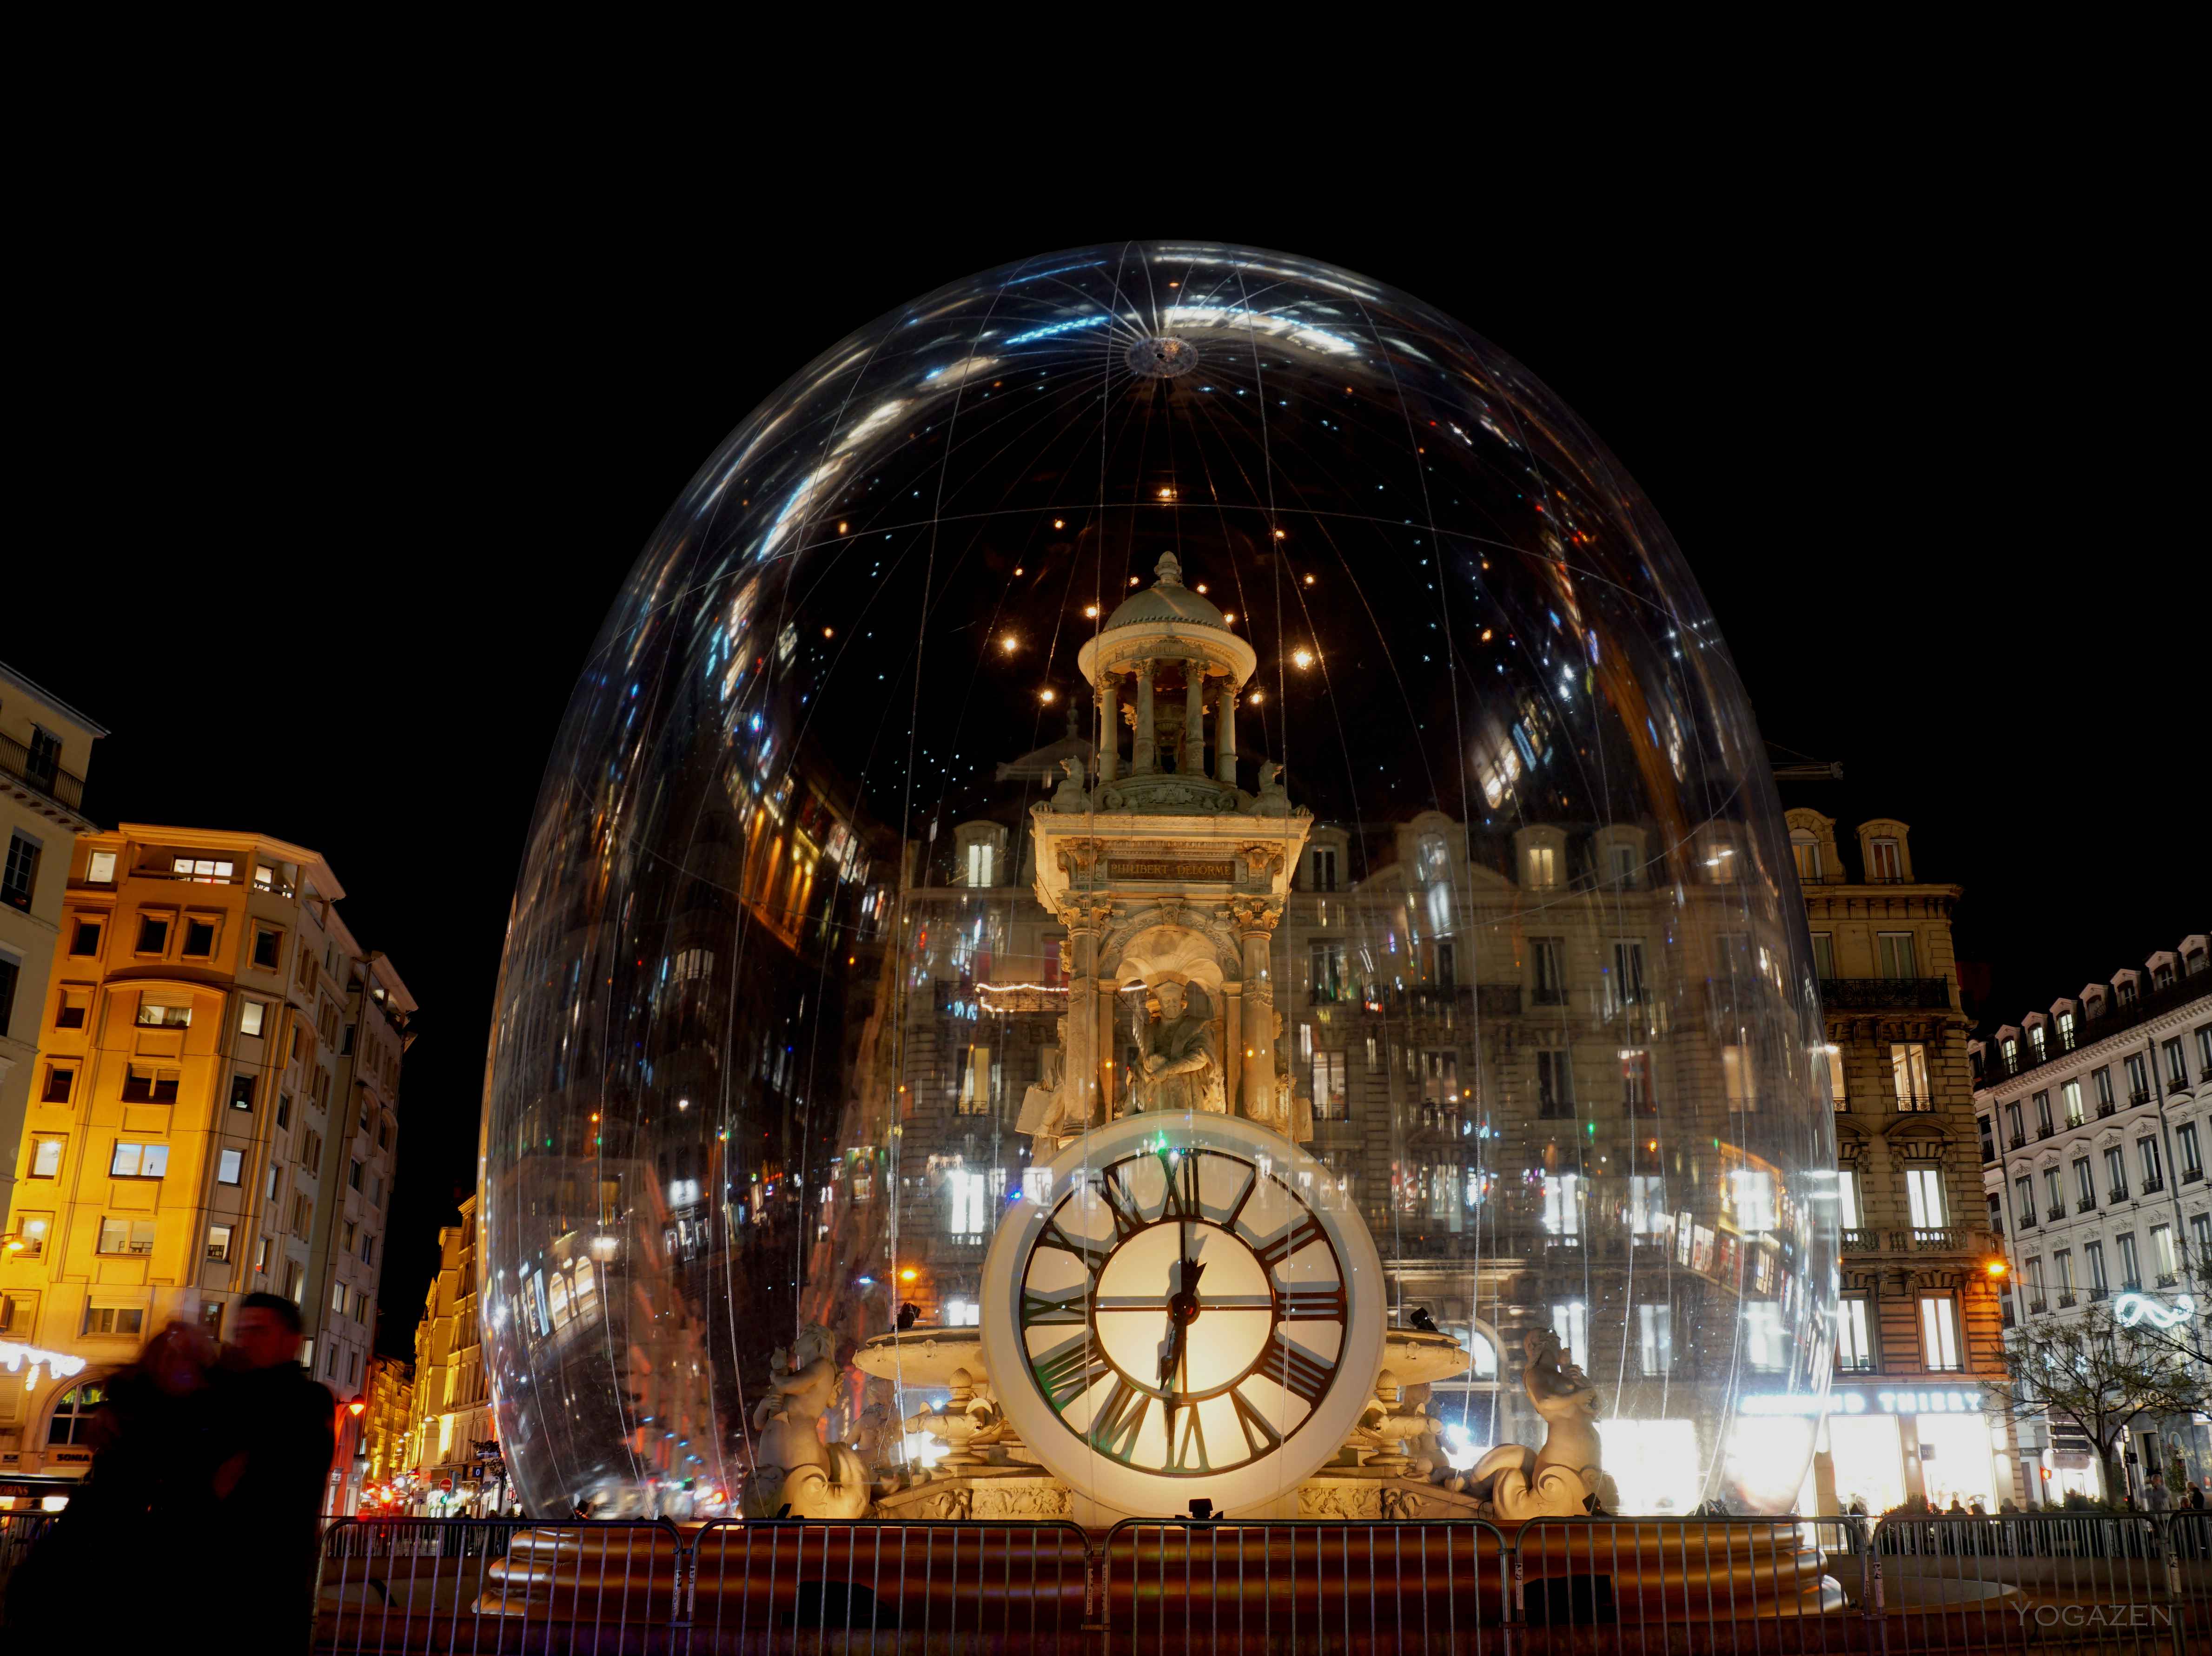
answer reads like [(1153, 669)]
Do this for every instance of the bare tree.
[(2097, 1376)]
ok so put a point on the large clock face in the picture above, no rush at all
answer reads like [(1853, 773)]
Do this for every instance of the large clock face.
[(1182, 1308)]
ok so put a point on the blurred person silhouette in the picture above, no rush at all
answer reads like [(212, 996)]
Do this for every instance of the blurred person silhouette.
[(279, 1435), (156, 1439)]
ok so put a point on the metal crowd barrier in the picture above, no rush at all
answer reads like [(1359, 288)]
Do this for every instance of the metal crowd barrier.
[(2034, 1585), (19, 1534)]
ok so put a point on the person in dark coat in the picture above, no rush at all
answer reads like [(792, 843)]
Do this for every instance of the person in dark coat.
[(156, 1440), (279, 1430)]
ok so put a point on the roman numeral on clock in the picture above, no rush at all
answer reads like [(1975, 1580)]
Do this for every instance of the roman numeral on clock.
[(1042, 1311), (1303, 1234), (1259, 1435), (1126, 1221), (1066, 1371), (1182, 1202), (1299, 1372), (1116, 1421), (1082, 1248), (1187, 1453), (1315, 1302)]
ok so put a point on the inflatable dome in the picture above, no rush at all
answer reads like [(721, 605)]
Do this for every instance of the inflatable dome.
[(1500, 921)]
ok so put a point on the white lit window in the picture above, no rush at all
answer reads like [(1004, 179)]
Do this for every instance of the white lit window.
[(1647, 1202), (1854, 1348), (1543, 865), (1847, 1198), (1563, 1208), (981, 856), (1908, 1070), (1807, 851), (2070, 1096), (204, 871), (1939, 1331), (1570, 1322), (1753, 1192), (99, 868), (1656, 1338), (229, 1165), (1830, 1063), (218, 1244), (967, 1206), (2162, 1258), (1923, 1192), (250, 1017), (1735, 1077), (130, 1160), (45, 1158), (1767, 1348), (962, 1314)]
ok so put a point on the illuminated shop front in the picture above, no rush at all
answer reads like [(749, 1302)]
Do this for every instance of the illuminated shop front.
[(1889, 1445)]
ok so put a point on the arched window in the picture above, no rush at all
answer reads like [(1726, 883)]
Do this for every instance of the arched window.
[(73, 1413), (1807, 850)]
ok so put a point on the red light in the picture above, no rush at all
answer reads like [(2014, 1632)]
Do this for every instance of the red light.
[(356, 1406)]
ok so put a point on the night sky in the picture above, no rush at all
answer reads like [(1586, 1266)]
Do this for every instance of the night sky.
[(338, 500)]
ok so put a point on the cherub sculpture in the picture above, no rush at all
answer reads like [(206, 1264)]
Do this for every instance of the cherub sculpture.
[(1564, 1479), (795, 1468)]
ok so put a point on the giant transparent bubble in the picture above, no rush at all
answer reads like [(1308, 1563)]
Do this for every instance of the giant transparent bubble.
[(779, 980)]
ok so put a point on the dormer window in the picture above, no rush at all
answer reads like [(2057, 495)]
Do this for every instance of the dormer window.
[(1806, 851), (2066, 1032), (2010, 1048), (980, 862), (1624, 866), (1885, 861), (2127, 992), (1543, 865), (1324, 868), (2161, 975), (2035, 1042)]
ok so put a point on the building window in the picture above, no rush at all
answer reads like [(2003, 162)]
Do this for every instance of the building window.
[(1330, 1097), (1938, 1332), (2092, 1255), (142, 1085), (2036, 1053), (203, 870), (1895, 948), (117, 1319), (1625, 867), (1563, 1208), (2192, 1164), (218, 1244), (211, 1318), (1989, 1138), (2101, 1079), (1908, 1069), (2050, 1188), (154, 1014), (241, 1092), (19, 1316), (137, 1160), (2177, 1072), (966, 1218), (981, 854), (2138, 1079), (2204, 1052), (1543, 865), (2063, 1259), (1823, 953), (153, 935), (1735, 1077), (199, 938), (2200, 1234), (2116, 1175), (1636, 1083), (85, 940), (2070, 1098), (31, 1232), (229, 1166), (1887, 859), (60, 1078), (978, 1083), (1656, 1339), (1847, 1197), (1628, 973), (1570, 1322), (2084, 1185), (1332, 977), (1805, 849), (2153, 1172), (69, 1014), (1854, 1344), (1923, 1192), (1831, 1060), (20, 875), (2131, 1270), (2162, 1259), (266, 945), (2036, 1301), (2043, 1114), (2015, 1126), (45, 1157), (1547, 955), (99, 868), (1555, 1086), (1323, 865), (126, 1235)]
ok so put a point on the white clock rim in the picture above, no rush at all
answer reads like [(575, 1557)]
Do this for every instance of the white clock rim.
[(1128, 1491)]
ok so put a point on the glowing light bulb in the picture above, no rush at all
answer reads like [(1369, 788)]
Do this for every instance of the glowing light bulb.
[(828, 632), (1309, 580), (1007, 644), (1091, 610), (1301, 657), (1018, 569), (1058, 523), (1048, 695), (840, 528), (1201, 587), (1230, 617)]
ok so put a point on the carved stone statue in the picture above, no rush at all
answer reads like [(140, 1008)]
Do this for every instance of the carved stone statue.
[(795, 1468), (1182, 1062), (1563, 1479), (1050, 1114)]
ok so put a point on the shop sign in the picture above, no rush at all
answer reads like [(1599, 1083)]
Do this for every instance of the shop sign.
[(1860, 1403)]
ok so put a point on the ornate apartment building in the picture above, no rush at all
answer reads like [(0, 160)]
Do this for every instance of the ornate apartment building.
[(44, 744), (450, 1462), (214, 1112), (2095, 1116)]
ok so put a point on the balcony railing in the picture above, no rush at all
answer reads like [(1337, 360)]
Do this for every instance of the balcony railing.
[(1862, 1241), (2100, 1292), (2027, 1218), (2056, 1212), (2152, 1185), (2045, 1130), (2134, 1099), (2087, 1204), (1875, 994), (2105, 1109), (1932, 1238), (2120, 1193), (2019, 1141), (2190, 1175), (2176, 1084), (43, 776), (2163, 1279), (2037, 1307), (2192, 986), (2065, 1301)]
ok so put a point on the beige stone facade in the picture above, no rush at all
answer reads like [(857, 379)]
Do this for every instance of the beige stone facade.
[(449, 1465)]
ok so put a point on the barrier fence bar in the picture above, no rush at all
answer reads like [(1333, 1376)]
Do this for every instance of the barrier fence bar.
[(794, 1584), (1218, 1585)]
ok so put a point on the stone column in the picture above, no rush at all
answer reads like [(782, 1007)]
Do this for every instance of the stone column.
[(1109, 734), (1224, 735), (1194, 718), (1255, 919), (1078, 1069), (1142, 756)]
